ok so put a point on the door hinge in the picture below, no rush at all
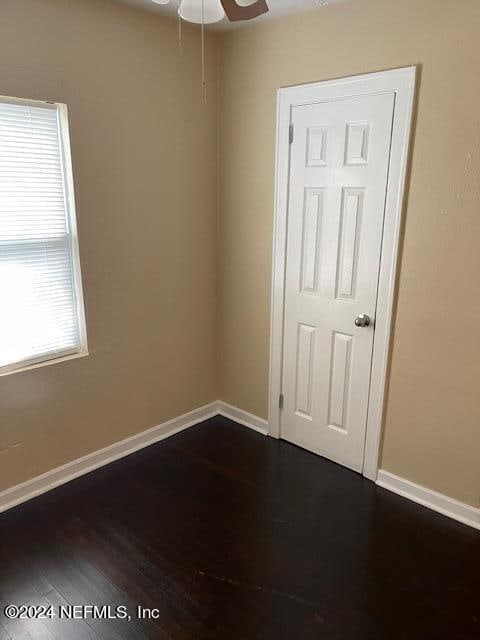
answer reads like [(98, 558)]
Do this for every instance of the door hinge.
[(281, 401), (291, 134)]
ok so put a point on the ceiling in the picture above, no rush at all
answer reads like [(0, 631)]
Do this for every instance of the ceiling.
[(277, 8)]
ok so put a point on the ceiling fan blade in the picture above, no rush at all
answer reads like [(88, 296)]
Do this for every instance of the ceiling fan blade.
[(235, 12)]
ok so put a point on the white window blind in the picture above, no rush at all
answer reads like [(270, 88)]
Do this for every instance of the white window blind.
[(41, 306)]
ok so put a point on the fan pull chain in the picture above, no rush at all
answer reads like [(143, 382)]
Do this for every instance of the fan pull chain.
[(180, 43), (204, 68)]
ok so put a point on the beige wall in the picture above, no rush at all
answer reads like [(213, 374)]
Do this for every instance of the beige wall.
[(432, 433), (144, 152)]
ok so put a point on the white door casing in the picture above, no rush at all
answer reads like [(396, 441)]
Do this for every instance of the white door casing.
[(338, 212)]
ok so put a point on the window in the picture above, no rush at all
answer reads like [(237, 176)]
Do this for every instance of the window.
[(41, 303)]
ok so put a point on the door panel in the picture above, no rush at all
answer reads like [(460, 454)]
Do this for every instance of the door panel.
[(338, 181)]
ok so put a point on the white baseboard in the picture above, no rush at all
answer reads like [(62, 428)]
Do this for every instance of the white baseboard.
[(61, 475), (437, 501), (243, 417)]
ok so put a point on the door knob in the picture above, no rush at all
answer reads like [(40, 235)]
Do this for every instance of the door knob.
[(363, 320)]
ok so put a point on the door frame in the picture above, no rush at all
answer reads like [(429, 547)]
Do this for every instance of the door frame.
[(402, 83)]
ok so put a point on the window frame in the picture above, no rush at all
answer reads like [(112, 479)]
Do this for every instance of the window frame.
[(54, 357)]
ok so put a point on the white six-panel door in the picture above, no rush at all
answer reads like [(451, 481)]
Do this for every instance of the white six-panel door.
[(337, 188)]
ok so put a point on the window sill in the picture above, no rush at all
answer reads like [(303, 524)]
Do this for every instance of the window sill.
[(43, 363)]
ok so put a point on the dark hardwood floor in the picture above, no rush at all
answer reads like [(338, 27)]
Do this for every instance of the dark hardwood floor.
[(231, 535)]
